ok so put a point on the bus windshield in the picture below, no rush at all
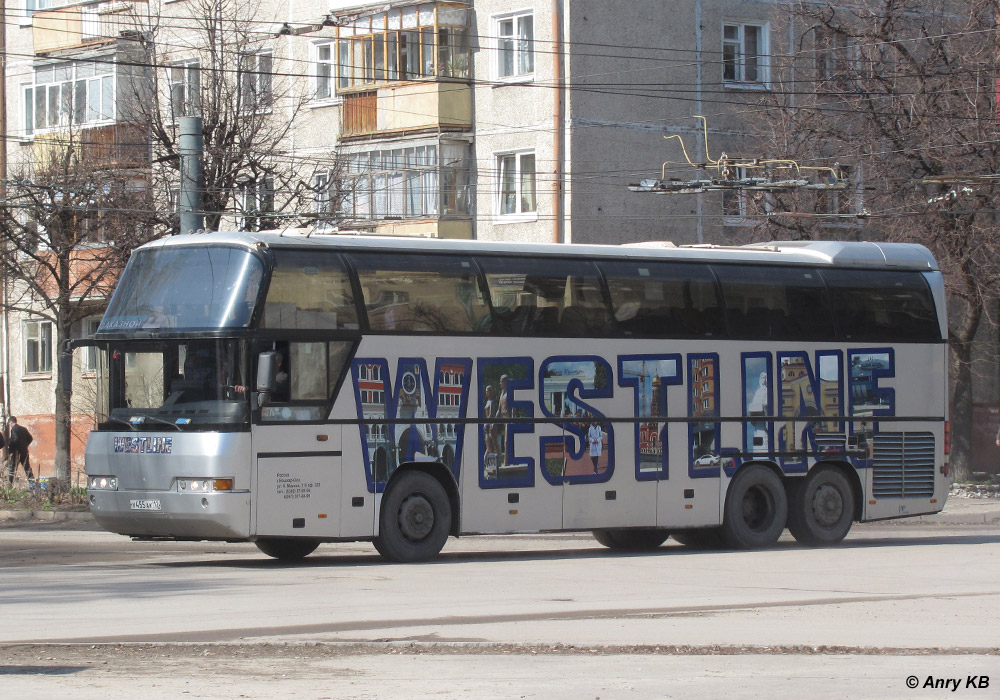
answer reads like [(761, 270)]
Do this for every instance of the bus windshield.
[(189, 385), (185, 288)]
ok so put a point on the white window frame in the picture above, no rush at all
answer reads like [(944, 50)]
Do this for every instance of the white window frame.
[(260, 82), (39, 333), (739, 45), (63, 94), (191, 88), (402, 183), (735, 216), (331, 65), (253, 198), (519, 214), (844, 204), (518, 49), (28, 110), (88, 356)]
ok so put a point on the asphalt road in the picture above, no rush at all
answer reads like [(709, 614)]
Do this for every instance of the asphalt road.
[(87, 614)]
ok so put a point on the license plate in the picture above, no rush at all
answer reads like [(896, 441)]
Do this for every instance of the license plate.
[(144, 505)]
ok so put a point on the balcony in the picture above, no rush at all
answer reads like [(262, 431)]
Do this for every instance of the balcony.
[(405, 108), (99, 147), (82, 25)]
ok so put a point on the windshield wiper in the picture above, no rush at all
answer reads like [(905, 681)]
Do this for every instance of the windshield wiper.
[(112, 419), (146, 417)]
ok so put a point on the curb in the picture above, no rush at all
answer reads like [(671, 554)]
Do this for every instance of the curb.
[(43, 515)]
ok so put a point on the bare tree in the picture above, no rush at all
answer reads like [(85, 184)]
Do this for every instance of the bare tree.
[(213, 59), (903, 92), (68, 224)]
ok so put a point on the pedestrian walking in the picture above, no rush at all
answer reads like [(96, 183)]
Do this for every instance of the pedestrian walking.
[(17, 450)]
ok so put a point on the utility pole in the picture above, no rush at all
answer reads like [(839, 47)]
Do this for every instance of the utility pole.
[(191, 146), (5, 407)]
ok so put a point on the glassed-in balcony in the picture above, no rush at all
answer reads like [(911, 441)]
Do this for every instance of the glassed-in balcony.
[(402, 70)]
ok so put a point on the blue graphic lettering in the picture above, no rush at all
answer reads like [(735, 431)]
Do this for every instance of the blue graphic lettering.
[(649, 376), (585, 452)]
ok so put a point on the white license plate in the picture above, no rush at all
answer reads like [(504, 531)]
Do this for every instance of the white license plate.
[(144, 505)]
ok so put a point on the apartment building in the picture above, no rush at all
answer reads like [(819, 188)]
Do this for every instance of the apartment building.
[(510, 120)]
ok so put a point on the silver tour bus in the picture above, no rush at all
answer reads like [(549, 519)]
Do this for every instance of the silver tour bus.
[(291, 390)]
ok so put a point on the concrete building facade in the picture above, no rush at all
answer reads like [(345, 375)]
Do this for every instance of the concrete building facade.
[(513, 120)]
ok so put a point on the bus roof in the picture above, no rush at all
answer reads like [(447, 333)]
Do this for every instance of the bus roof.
[(863, 254)]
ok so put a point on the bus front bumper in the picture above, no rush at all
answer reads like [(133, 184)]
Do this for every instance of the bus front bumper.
[(168, 514)]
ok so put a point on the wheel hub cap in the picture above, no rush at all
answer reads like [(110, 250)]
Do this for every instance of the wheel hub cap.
[(416, 518), (757, 509), (828, 505)]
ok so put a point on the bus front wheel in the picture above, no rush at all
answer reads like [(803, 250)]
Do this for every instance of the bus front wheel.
[(756, 508), (821, 508), (415, 519), (286, 549), (631, 540)]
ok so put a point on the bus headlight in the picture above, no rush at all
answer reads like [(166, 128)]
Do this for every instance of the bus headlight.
[(204, 485), (102, 483)]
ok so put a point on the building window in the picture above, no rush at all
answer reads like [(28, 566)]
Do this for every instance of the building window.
[(515, 45), (184, 80), (407, 183), (734, 201), (72, 93), (835, 61), (255, 202), (324, 70), (37, 347), (88, 357), (744, 54), (321, 186), (256, 80), (516, 178), (842, 202)]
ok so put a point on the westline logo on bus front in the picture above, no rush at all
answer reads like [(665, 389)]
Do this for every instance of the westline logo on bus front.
[(143, 445)]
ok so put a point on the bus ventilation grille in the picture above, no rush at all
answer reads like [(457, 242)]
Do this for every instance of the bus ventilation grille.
[(903, 465)]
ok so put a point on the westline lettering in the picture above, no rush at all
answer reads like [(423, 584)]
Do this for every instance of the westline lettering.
[(144, 445), (809, 388)]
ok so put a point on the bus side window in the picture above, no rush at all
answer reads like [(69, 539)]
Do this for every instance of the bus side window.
[(546, 297), (309, 290), (421, 293), (312, 372), (664, 300), (770, 302), (882, 305)]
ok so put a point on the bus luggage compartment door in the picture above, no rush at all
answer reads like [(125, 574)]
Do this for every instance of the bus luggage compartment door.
[(297, 491)]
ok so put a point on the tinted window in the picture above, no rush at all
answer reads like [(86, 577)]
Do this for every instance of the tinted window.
[(421, 293), (545, 297), (185, 287), (664, 299), (875, 305), (775, 302), (309, 290)]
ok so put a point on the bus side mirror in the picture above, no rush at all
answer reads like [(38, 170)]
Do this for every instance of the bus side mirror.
[(267, 364)]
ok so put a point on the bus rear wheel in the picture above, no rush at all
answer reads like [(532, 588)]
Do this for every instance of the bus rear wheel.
[(642, 540), (821, 508), (415, 519), (756, 509), (286, 549)]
